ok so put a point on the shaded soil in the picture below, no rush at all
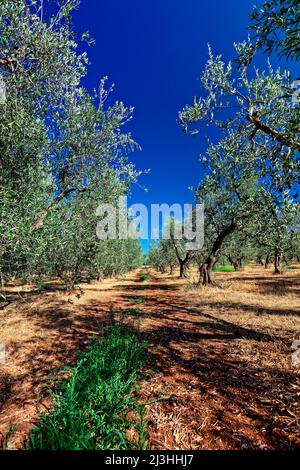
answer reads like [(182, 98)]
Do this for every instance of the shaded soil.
[(219, 373)]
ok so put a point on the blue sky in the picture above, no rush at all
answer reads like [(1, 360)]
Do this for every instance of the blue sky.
[(154, 52)]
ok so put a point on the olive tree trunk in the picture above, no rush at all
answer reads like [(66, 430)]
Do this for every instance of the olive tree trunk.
[(183, 263), (267, 262), (277, 263), (206, 268)]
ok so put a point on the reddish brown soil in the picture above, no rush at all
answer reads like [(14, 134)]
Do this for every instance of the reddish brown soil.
[(218, 375)]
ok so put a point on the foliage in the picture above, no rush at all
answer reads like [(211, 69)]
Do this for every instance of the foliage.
[(256, 104), (276, 26), (252, 173), (62, 150), (144, 277)]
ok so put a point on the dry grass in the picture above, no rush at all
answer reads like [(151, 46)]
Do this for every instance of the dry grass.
[(219, 365)]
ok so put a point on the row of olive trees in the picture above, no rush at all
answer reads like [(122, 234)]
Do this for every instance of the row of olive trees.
[(245, 244), (62, 150), (251, 177)]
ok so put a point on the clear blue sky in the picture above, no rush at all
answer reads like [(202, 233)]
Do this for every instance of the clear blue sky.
[(154, 51)]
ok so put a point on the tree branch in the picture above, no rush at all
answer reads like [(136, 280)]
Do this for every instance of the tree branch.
[(254, 119)]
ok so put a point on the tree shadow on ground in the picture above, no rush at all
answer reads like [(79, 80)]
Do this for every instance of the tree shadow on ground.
[(187, 341), (268, 285), (188, 348)]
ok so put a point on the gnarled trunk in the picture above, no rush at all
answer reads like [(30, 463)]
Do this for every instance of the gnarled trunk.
[(277, 263), (267, 262), (262, 263), (235, 264), (183, 265), (206, 268)]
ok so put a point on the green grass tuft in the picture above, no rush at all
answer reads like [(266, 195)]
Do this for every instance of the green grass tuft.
[(144, 277), (5, 440), (91, 408), (138, 299), (130, 312), (223, 269), (142, 287)]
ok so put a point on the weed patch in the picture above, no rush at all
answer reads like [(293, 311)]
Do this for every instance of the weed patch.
[(223, 269), (96, 407)]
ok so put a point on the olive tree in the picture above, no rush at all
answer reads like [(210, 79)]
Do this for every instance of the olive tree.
[(276, 26), (63, 150), (259, 147), (230, 193)]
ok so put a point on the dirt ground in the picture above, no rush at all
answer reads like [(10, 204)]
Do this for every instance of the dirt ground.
[(219, 372)]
